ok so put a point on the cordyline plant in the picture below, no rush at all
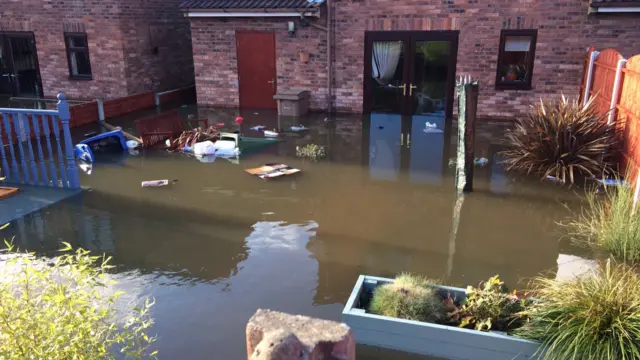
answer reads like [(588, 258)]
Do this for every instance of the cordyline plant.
[(57, 309), (564, 139)]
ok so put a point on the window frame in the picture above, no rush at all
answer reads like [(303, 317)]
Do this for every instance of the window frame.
[(69, 50), (526, 84)]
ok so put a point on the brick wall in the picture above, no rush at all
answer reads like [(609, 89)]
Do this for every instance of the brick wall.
[(564, 33), (121, 59), (157, 46), (214, 56)]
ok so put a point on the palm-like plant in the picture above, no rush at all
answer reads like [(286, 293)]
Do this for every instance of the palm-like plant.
[(564, 139)]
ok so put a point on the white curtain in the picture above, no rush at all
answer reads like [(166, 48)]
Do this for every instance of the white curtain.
[(386, 55)]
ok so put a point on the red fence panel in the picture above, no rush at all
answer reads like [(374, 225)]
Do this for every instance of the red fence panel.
[(128, 104), (83, 114), (629, 112), (604, 74), (181, 95)]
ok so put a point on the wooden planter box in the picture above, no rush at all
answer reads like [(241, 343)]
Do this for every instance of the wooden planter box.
[(443, 341)]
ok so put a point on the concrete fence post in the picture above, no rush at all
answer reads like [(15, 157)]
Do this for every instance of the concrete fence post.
[(273, 335), (100, 109), (65, 116), (587, 86), (615, 95)]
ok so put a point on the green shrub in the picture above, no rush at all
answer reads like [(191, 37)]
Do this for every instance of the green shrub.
[(311, 152), (595, 316), (609, 222), (491, 307), (563, 139), (408, 297), (58, 310)]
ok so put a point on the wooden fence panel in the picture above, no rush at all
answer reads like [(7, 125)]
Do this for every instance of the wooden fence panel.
[(128, 104), (83, 114), (604, 75), (182, 95), (629, 112)]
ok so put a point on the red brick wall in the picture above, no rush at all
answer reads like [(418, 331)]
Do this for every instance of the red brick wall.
[(148, 25), (122, 62), (564, 33), (214, 56)]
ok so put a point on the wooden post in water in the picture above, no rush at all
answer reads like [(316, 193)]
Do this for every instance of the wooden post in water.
[(467, 91)]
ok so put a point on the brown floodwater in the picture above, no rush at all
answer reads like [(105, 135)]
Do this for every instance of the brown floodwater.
[(218, 243)]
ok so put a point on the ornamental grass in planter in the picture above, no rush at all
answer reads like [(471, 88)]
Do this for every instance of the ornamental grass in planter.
[(596, 316), (490, 307), (408, 297), (564, 139), (610, 223)]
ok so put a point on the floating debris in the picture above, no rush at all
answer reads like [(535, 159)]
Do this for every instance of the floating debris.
[(269, 171), (155, 183), (310, 151)]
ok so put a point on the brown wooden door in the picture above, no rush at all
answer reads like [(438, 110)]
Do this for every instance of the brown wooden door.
[(256, 69)]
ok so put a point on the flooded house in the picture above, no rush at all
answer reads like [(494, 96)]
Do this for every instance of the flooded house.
[(401, 57), (105, 49)]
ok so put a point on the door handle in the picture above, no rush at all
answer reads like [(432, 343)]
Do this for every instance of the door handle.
[(411, 87), (272, 82), (404, 89), (408, 140), (401, 139)]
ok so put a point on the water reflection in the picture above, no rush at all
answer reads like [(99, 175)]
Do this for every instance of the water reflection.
[(217, 244)]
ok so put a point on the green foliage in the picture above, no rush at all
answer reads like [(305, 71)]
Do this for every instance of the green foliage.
[(563, 139), (596, 316), (58, 310), (311, 152), (491, 307), (610, 223), (408, 297)]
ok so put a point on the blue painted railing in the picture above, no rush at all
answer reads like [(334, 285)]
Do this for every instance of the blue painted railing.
[(49, 164)]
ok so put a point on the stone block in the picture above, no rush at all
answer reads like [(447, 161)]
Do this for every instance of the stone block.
[(273, 335)]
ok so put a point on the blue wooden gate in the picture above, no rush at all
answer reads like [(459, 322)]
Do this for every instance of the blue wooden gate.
[(28, 154)]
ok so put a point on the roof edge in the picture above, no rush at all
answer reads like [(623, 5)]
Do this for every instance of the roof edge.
[(597, 4)]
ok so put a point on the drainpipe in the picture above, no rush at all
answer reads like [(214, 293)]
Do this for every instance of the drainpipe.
[(329, 63)]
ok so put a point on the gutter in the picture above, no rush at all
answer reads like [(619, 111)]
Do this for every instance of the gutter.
[(223, 13), (613, 10)]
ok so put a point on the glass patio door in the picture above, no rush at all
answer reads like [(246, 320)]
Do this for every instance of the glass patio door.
[(19, 71), (409, 72)]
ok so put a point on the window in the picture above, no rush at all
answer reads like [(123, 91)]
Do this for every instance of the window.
[(78, 56), (515, 59)]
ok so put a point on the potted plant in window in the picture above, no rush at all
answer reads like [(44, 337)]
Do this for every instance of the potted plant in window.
[(515, 72)]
